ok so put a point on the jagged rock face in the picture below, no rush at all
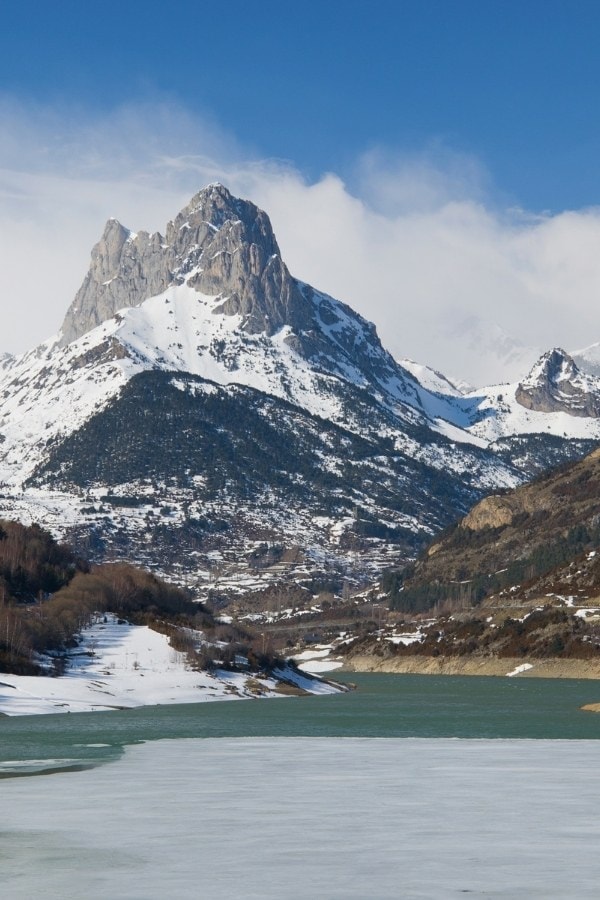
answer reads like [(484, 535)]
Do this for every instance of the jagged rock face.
[(224, 247), (125, 270), (493, 512), (555, 384), (255, 282), (219, 244)]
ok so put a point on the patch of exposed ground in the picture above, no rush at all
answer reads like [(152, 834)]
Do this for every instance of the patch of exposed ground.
[(439, 665)]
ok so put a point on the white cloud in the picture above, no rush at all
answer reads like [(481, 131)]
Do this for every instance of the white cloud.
[(415, 244)]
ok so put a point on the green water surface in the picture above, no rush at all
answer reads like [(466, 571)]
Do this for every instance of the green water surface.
[(381, 706)]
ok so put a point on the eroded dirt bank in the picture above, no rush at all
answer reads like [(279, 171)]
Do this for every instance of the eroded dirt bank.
[(429, 665)]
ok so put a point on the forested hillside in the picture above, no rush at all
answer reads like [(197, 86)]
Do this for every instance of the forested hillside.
[(517, 543), (48, 596)]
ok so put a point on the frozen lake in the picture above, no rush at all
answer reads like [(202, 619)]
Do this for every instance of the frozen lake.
[(306, 817)]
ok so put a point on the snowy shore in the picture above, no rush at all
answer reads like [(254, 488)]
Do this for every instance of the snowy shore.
[(122, 666)]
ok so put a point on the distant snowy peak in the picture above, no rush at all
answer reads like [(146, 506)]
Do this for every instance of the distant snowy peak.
[(554, 405), (486, 352), (556, 384), (588, 359), (432, 380)]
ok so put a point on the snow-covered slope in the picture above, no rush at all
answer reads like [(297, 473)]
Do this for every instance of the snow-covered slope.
[(433, 381), (198, 389), (123, 666), (555, 398), (52, 391), (496, 413)]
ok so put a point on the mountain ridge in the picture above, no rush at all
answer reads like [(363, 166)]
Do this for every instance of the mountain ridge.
[(207, 326)]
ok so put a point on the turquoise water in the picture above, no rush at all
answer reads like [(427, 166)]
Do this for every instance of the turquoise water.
[(344, 797), (381, 706)]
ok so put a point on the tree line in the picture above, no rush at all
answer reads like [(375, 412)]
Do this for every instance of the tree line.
[(48, 595)]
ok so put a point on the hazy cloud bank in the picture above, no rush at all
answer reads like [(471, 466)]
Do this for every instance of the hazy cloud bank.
[(414, 243)]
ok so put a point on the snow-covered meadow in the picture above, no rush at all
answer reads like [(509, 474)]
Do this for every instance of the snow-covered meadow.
[(122, 666)]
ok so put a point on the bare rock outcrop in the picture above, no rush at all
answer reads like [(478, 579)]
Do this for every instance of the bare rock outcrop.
[(221, 245), (492, 512), (556, 384)]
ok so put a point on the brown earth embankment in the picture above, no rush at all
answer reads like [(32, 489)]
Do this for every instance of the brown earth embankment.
[(493, 666)]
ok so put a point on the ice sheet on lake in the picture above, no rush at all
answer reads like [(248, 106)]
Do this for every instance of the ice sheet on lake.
[(305, 817)]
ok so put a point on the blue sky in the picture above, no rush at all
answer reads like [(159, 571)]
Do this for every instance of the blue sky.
[(512, 83), (433, 163)]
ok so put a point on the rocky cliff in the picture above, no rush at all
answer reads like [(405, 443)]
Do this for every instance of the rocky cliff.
[(556, 384), (228, 241)]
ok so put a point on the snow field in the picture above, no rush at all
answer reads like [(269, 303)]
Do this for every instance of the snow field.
[(125, 666)]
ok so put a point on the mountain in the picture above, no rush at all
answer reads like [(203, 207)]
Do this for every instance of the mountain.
[(200, 401), (556, 384), (547, 418), (515, 543), (485, 351), (432, 380), (588, 359), (198, 398), (217, 245)]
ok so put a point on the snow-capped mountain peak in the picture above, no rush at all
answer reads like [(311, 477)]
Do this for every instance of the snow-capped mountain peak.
[(128, 268), (195, 374), (228, 311), (223, 248), (556, 384)]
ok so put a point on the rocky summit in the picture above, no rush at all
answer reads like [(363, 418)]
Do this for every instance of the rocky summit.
[(224, 247), (556, 384), (200, 402), (217, 244)]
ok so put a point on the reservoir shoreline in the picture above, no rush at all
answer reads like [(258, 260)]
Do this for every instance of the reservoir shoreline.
[(491, 667)]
